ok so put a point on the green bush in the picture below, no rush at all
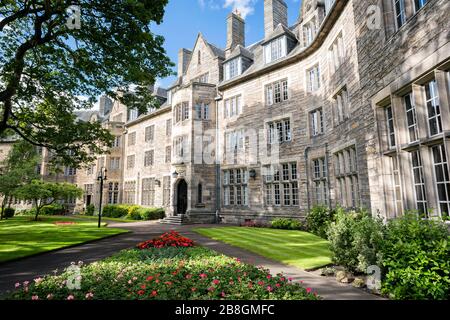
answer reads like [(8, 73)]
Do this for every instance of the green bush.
[(319, 219), (90, 209), (355, 239), (152, 213), (415, 259), (287, 224), (8, 213), (134, 213), (53, 209), (115, 211)]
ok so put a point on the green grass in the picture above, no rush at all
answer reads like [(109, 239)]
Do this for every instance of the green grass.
[(297, 248), (21, 237), (106, 219)]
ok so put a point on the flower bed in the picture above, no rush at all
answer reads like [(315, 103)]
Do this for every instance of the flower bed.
[(168, 239), (166, 273)]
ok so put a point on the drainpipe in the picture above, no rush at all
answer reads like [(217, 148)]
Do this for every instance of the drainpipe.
[(328, 175), (217, 164), (307, 177)]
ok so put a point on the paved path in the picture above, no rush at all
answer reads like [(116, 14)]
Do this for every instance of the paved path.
[(40, 265)]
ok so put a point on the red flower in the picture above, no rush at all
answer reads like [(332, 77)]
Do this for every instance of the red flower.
[(203, 275), (154, 293), (216, 282), (149, 278), (140, 292), (308, 290), (143, 286), (188, 276), (194, 289)]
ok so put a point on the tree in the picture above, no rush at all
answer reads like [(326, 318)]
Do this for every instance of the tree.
[(44, 193), (51, 66), (18, 168)]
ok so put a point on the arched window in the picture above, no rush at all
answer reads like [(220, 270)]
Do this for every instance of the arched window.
[(199, 193)]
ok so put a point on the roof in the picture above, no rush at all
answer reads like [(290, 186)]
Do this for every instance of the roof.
[(240, 51), (160, 92), (86, 115)]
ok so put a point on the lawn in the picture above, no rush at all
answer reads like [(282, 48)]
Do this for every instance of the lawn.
[(297, 248), (105, 219), (21, 237)]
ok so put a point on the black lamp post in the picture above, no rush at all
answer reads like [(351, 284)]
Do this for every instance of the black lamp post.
[(101, 177)]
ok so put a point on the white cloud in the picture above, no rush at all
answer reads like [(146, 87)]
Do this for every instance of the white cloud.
[(245, 7)]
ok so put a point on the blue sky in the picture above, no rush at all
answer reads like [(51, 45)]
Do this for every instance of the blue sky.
[(184, 19)]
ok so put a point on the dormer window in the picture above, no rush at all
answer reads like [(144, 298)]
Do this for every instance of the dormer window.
[(232, 68), (309, 32), (275, 49)]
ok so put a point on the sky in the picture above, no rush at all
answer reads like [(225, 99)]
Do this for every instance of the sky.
[(184, 19)]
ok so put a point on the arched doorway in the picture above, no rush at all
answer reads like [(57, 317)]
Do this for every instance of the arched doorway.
[(181, 197)]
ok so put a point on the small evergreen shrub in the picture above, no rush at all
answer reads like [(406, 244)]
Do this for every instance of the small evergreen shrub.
[(115, 211), (319, 219), (52, 209), (287, 224), (90, 209), (9, 213), (152, 213)]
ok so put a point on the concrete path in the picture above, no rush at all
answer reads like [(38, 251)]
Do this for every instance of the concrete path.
[(40, 265)]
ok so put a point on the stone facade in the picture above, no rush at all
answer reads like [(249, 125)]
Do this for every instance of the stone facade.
[(349, 106)]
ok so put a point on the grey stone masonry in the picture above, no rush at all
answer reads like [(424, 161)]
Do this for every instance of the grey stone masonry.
[(275, 12)]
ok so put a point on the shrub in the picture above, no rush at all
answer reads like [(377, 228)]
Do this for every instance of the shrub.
[(319, 219), (53, 209), (9, 213), (115, 211), (415, 258), (90, 209), (134, 213), (287, 224), (152, 213), (355, 239)]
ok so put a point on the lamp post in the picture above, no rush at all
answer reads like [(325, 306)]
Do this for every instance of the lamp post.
[(101, 177)]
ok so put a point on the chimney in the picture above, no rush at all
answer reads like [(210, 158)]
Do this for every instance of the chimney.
[(275, 12), (235, 32), (184, 55), (105, 105)]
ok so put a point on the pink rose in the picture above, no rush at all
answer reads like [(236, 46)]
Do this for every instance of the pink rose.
[(35, 297)]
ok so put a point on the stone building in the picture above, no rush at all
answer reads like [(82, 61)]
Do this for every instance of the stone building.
[(348, 106)]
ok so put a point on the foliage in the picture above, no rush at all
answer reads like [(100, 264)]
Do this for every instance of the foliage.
[(355, 239), (168, 273), (415, 259), (287, 224), (115, 211), (168, 239), (132, 212), (319, 219), (90, 209), (8, 212), (46, 65), (254, 224), (152, 213), (53, 209), (44, 193)]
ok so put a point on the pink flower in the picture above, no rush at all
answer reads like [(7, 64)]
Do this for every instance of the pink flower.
[(278, 285), (261, 283), (134, 278), (38, 280), (154, 293), (211, 289), (70, 297), (25, 283), (34, 297), (50, 296), (149, 278), (290, 279), (89, 295), (269, 288), (216, 282), (17, 285), (269, 276), (194, 289), (223, 294), (308, 290), (129, 281), (188, 276), (203, 275)]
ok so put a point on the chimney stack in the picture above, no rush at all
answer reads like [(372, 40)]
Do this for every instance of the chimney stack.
[(184, 55), (235, 32), (275, 12), (105, 105)]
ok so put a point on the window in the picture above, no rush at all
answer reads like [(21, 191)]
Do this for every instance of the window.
[(418, 4), (149, 158), (277, 92), (129, 192), (130, 161), (199, 193), (411, 117), (341, 106), (276, 49), (132, 114), (168, 157), (400, 15), (88, 189), (235, 187), (281, 184), (309, 32), (320, 181), (113, 192), (90, 169), (114, 163), (279, 131), (148, 192), (336, 53), (116, 143), (185, 114), (181, 112), (150, 133), (132, 139), (347, 185), (442, 179), (232, 68), (101, 162), (199, 57), (168, 127), (166, 191), (202, 111), (70, 171), (397, 186), (434, 111), (179, 144), (419, 182), (203, 78), (328, 5), (390, 126), (233, 106), (313, 78), (234, 141), (316, 118)]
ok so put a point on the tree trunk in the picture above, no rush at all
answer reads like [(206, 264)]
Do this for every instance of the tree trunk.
[(38, 209), (3, 207)]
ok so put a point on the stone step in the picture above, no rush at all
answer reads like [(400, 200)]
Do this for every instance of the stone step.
[(176, 220)]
